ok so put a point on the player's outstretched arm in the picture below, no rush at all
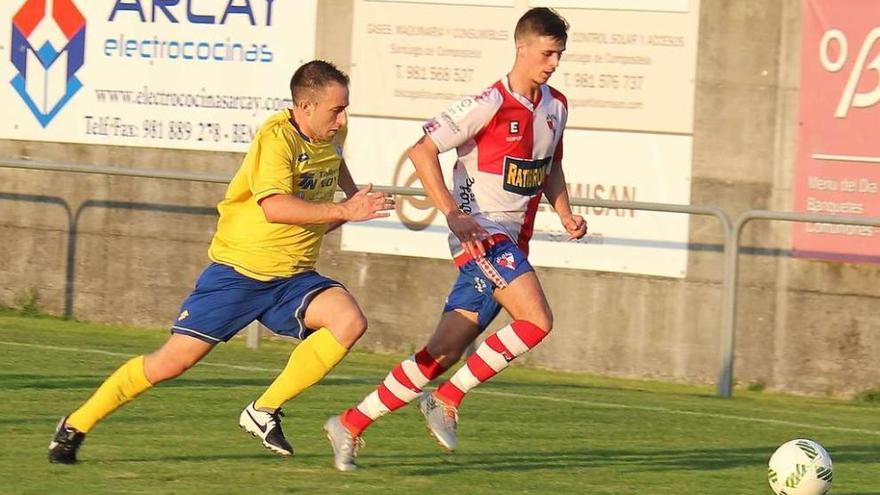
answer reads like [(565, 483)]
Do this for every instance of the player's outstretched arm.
[(290, 210), (346, 182), (348, 186), (425, 157), (557, 195)]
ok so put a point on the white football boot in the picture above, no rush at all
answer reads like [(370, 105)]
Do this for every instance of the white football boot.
[(345, 445), (267, 427), (441, 419)]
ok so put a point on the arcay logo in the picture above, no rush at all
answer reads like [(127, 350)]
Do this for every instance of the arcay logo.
[(48, 48)]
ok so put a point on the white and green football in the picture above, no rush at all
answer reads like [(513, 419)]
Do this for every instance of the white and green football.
[(800, 467)]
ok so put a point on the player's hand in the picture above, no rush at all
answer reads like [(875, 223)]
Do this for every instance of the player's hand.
[(469, 232), (575, 225), (367, 205)]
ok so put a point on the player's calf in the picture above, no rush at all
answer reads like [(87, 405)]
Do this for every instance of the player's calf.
[(491, 357), (401, 386)]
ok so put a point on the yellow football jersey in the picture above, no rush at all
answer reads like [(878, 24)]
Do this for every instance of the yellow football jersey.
[(280, 161)]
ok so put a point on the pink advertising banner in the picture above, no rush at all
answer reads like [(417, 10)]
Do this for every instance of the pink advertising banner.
[(838, 154)]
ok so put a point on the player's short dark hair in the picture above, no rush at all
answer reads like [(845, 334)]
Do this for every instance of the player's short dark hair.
[(313, 76), (542, 21)]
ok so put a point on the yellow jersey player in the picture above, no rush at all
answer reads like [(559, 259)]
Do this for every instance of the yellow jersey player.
[(275, 213)]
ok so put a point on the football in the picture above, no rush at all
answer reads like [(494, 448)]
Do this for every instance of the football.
[(800, 467)]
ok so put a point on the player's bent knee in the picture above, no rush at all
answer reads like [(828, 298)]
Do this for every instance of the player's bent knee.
[(543, 321), (350, 328), (169, 370), (158, 372), (445, 356), (446, 352), (160, 367), (359, 325)]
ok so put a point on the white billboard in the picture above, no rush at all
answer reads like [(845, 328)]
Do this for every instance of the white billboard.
[(629, 65), (195, 74)]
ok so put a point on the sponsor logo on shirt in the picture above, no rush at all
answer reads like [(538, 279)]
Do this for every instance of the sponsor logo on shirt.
[(524, 177), (462, 108), (484, 95), (466, 196), (307, 181), (431, 126), (447, 119), (311, 180), (514, 127)]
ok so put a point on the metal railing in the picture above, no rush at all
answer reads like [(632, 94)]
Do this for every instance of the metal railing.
[(105, 170), (731, 273), (731, 232)]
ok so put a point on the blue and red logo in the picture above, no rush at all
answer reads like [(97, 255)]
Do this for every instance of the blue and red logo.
[(48, 48), (506, 260)]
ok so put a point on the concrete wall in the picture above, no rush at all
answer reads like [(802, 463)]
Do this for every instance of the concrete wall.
[(804, 326)]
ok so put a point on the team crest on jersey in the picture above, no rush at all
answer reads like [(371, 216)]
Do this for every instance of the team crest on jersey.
[(514, 127), (480, 285), (506, 260), (524, 177), (302, 157)]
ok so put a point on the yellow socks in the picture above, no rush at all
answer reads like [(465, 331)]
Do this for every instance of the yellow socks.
[(312, 359), (123, 385)]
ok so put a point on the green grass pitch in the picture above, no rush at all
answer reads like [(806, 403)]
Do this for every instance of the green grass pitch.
[(527, 431)]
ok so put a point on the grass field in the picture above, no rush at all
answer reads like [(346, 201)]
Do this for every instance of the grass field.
[(528, 431)]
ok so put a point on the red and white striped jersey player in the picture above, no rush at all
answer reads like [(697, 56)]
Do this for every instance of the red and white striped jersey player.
[(509, 145)]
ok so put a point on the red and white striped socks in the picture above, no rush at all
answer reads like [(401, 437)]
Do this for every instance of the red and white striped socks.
[(405, 382), (492, 356), (403, 385)]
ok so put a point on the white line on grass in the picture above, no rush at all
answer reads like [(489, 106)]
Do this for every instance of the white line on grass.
[(609, 405), (129, 354), (686, 413)]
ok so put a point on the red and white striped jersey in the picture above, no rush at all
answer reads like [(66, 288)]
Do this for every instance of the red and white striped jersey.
[(506, 148)]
